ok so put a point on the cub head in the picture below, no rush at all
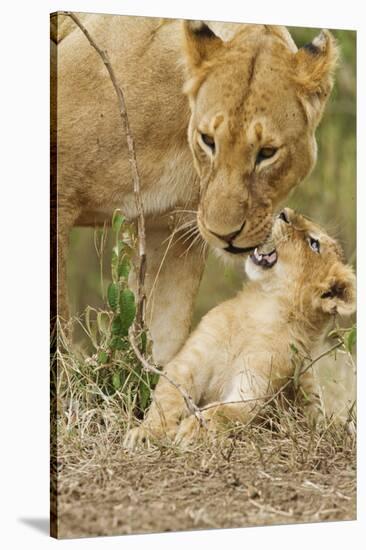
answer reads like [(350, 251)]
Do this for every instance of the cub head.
[(306, 264), (255, 104)]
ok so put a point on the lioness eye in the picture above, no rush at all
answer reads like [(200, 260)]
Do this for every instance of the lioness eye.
[(314, 244), (265, 153), (209, 141)]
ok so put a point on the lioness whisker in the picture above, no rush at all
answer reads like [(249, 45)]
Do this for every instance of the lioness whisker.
[(184, 210), (177, 230), (188, 235), (197, 238), (189, 231)]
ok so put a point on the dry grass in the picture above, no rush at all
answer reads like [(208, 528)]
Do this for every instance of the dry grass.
[(282, 471), (263, 476)]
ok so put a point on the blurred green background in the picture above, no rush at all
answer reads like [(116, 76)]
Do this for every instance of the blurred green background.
[(328, 195)]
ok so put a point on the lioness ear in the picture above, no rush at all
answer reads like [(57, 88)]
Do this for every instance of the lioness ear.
[(200, 42), (315, 64), (339, 293)]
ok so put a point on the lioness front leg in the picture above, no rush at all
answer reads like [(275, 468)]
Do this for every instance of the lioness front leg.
[(172, 281), (65, 216)]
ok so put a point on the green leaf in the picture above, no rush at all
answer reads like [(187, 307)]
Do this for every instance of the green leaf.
[(117, 221), (113, 295), (294, 348), (102, 357), (116, 343), (128, 310), (351, 339), (117, 325), (144, 396), (116, 380), (143, 342), (154, 379), (124, 268)]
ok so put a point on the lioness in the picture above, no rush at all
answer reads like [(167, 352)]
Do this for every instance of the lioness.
[(247, 100), (241, 351)]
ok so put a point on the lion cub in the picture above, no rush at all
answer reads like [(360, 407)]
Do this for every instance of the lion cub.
[(241, 352)]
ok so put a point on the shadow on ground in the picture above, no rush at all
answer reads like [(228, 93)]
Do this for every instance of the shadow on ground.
[(39, 524)]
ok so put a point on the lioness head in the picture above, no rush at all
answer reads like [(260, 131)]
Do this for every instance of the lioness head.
[(255, 104), (307, 264)]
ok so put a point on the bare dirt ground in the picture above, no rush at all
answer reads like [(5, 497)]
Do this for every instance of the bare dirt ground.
[(284, 473)]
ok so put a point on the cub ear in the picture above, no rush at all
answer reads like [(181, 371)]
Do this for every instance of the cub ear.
[(315, 64), (200, 42), (339, 293)]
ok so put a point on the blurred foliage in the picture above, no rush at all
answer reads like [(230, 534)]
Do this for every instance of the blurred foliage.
[(328, 195)]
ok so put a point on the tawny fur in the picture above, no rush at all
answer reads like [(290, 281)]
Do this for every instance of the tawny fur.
[(242, 351), (251, 90)]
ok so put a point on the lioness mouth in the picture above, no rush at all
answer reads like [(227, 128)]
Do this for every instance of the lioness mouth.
[(236, 250), (266, 260)]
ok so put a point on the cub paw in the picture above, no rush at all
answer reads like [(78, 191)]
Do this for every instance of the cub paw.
[(189, 431), (136, 437)]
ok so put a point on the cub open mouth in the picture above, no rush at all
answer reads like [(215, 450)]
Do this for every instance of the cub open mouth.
[(266, 261)]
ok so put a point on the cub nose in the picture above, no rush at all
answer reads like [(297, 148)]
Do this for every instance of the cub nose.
[(230, 236)]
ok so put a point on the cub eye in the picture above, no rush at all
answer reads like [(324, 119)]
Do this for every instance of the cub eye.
[(283, 216), (265, 153), (314, 244), (209, 141)]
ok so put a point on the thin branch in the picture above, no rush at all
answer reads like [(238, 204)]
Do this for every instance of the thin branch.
[(141, 298), (326, 352), (238, 402)]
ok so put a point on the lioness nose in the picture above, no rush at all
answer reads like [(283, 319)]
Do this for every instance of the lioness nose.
[(230, 236)]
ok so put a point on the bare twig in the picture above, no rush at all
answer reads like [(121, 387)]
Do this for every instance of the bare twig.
[(141, 298), (324, 354)]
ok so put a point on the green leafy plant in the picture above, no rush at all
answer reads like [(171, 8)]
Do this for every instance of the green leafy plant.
[(115, 362)]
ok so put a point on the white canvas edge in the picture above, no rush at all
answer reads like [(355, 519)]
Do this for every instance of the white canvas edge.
[(24, 274)]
